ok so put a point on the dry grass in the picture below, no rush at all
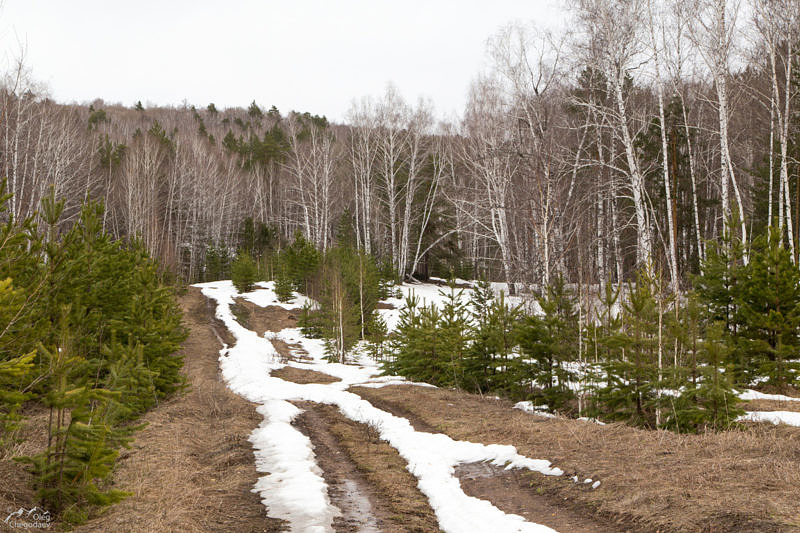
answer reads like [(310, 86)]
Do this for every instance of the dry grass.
[(771, 405), (262, 319), (16, 484), (301, 375), (740, 480), (290, 352)]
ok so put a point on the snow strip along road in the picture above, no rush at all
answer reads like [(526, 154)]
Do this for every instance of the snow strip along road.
[(293, 488)]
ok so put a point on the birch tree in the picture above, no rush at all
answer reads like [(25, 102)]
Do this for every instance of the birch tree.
[(712, 30), (492, 165), (778, 23), (615, 47)]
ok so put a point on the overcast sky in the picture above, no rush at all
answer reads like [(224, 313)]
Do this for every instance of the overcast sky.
[(305, 55)]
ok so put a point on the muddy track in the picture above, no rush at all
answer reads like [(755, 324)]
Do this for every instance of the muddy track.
[(367, 479), (347, 487), (364, 507), (515, 491)]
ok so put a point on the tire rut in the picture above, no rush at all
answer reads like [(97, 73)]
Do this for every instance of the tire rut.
[(347, 488)]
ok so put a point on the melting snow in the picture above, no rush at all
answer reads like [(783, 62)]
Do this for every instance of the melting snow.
[(790, 418)]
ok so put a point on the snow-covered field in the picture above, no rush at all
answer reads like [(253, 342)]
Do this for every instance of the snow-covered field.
[(292, 487)]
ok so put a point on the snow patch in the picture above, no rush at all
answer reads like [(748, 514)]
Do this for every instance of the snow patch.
[(789, 418), (265, 296)]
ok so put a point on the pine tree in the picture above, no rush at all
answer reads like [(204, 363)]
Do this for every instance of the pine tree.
[(492, 363), (301, 261), (769, 314), (21, 324), (255, 111), (550, 344), (605, 341), (416, 346), (404, 343), (15, 372), (377, 337), (632, 388), (454, 329), (82, 445), (284, 288), (479, 367), (244, 272), (710, 401), (717, 288), (338, 316), (14, 376)]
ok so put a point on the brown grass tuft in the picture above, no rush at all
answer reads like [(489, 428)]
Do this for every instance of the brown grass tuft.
[(302, 375)]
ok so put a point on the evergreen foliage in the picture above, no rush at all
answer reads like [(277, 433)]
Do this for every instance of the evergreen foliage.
[(244, 272), (708, 401), (550, 343), (217, 263), (468, 345), (633, 377), (284, 289), (768, 314), (89, 329), (301, 261), (346, 286)]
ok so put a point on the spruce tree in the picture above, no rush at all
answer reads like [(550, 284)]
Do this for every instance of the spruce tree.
[(710, 402), (769, 315), (550, 344)]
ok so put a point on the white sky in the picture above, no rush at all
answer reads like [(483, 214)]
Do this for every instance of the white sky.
[(305, 55)]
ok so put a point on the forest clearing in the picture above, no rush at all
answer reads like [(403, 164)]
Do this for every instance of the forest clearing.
[(527, 266)]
